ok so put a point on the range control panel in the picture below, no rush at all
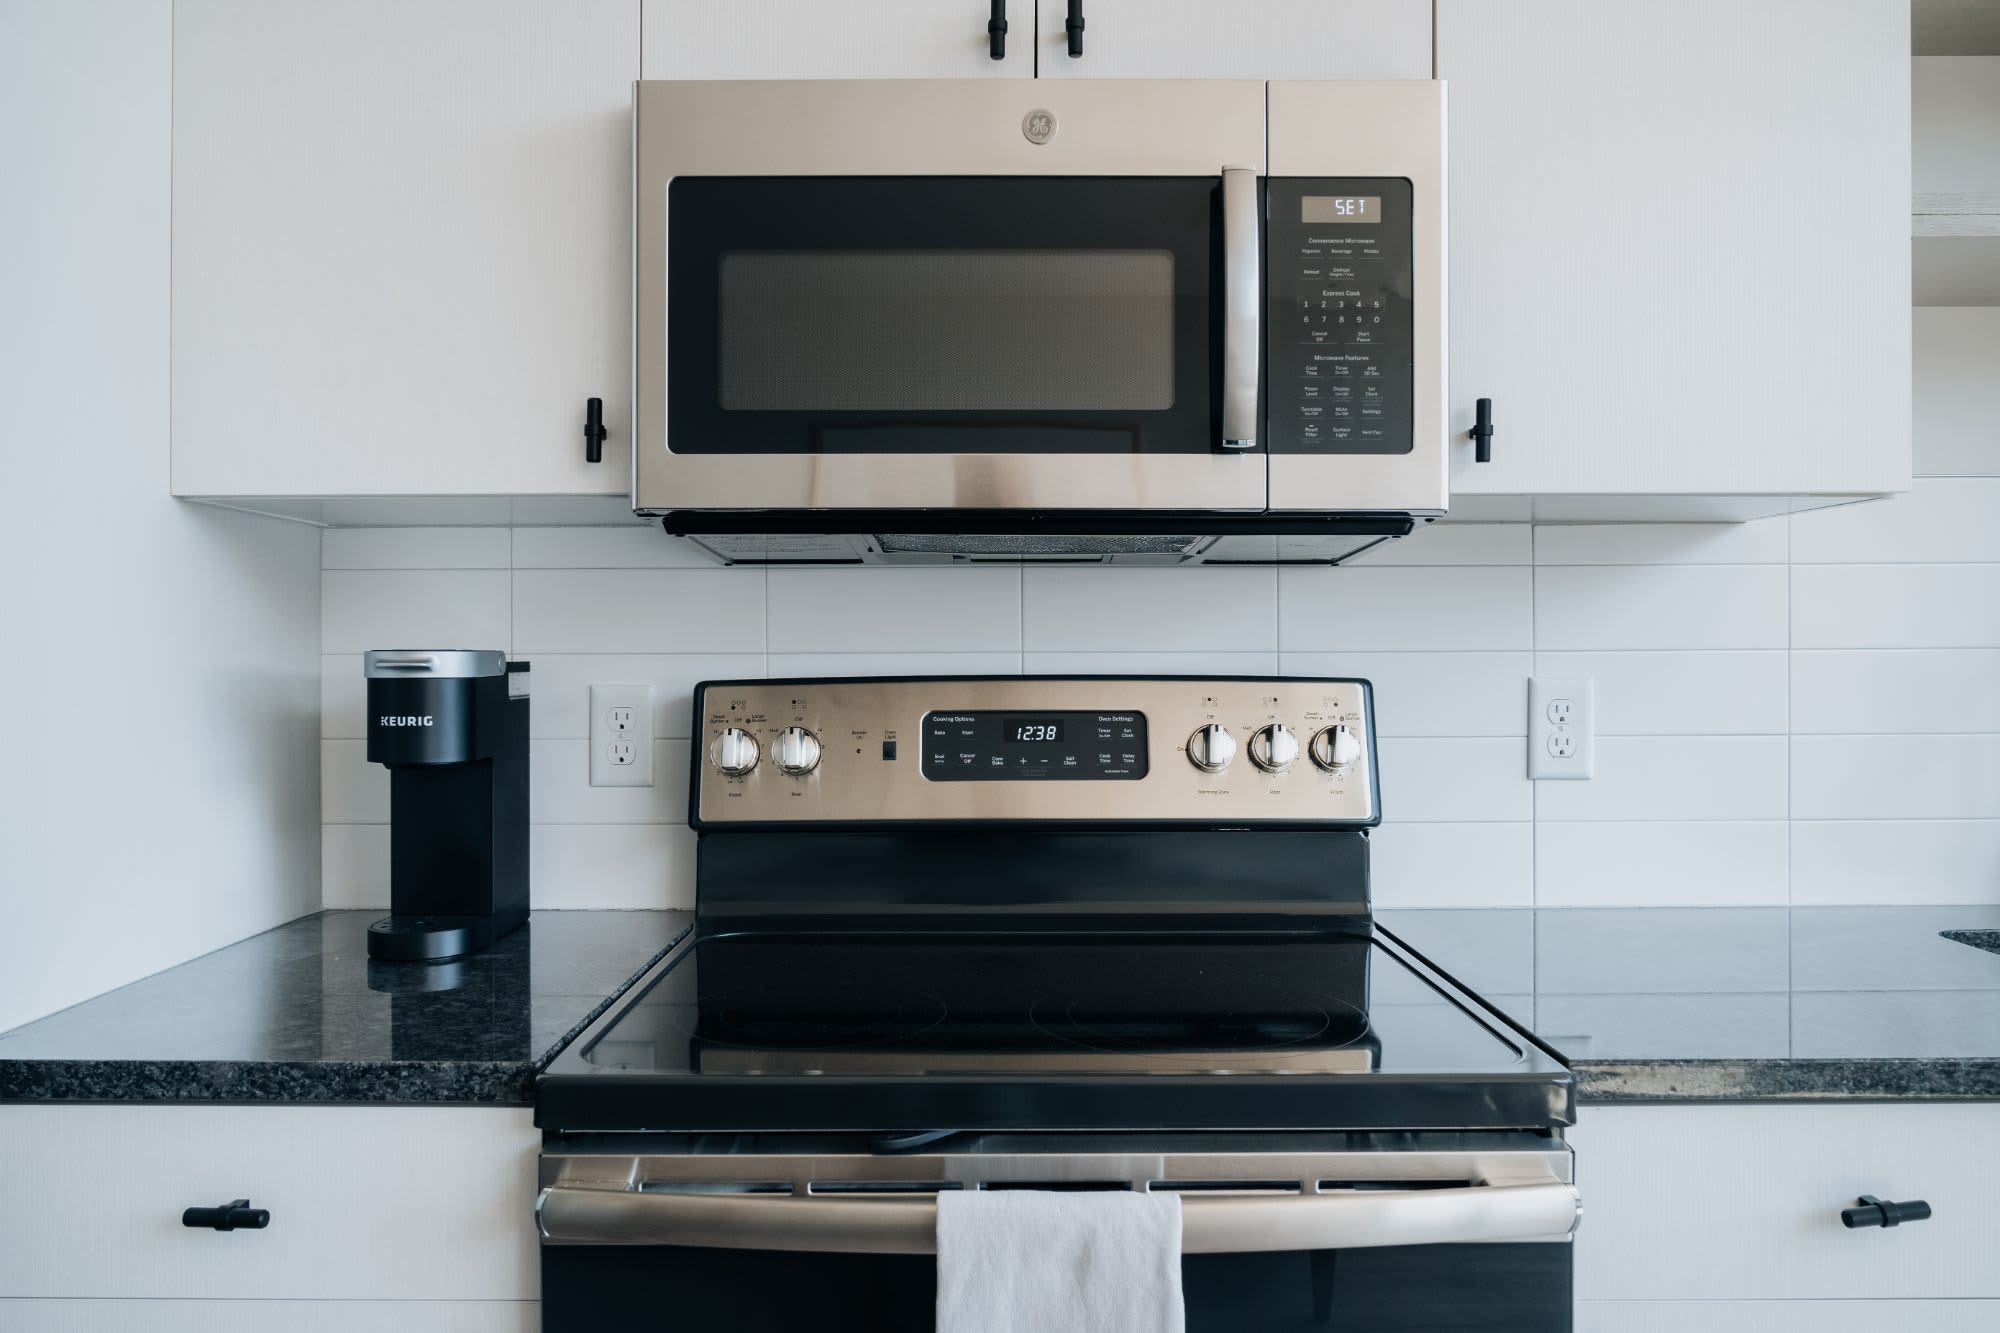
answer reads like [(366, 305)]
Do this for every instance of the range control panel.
[(1142, 750), (1340, 332)]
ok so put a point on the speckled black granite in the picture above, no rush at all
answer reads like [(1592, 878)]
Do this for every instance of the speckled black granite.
[(1741, 1003), (1988, 940), (300, 1014), (1685, 1004)]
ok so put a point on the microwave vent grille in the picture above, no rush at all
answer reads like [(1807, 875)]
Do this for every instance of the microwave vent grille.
[(1030, 546)]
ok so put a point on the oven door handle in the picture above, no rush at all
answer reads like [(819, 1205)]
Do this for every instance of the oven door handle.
[(1210, 1224), (1242, 307)]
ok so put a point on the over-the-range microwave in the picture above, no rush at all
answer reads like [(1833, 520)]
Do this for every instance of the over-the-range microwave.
[(917, 321)]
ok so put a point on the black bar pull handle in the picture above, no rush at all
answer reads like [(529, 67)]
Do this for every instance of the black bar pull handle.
[(236, 1213), (1870, 1211), (996, 30), (1073, 25), (594, 433), (1482, 431)]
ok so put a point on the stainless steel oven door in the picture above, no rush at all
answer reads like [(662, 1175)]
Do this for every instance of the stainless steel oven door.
[(948, 295), (1426, 1231)]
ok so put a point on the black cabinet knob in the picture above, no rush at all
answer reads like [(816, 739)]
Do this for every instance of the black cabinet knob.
[(996, 30), (1482, 431), (1870, 1211), (1073, 25), (230, 1216), (594, 433)]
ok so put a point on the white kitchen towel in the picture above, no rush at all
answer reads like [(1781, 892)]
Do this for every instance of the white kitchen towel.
[(1048, 1261)]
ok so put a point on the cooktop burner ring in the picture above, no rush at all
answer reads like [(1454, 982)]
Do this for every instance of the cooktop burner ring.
[(795, 1015), (1099, 1015)]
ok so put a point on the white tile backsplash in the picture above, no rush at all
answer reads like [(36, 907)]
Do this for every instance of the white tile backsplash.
[(360, 609), (1803, 709), (1907, 861), (918, 610), (1896, 606), (1659, 606), (1847, 692), (1454, 607), (1454, 865), (638, 611), (1149, 610), (1896, 777), (1660, 863), (1427, 779)]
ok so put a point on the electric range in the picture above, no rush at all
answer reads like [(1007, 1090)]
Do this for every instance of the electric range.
[(1075, 932)]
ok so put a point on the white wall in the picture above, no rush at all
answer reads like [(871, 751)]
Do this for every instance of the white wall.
[(157, 659), (1800, 710)]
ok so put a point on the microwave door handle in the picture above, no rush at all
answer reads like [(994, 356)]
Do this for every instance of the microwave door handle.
[(1242, 308), (1535, 1209)]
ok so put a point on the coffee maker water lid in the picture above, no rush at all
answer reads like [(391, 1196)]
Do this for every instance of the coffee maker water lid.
[(433, 663)]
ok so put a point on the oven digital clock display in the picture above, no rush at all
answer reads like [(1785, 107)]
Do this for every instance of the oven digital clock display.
[(1034, 747)]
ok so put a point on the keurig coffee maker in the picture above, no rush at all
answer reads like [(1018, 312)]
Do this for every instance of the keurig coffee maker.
[(451, 726)]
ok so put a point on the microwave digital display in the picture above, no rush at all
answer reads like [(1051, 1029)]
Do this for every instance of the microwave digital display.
[(1340, 208)]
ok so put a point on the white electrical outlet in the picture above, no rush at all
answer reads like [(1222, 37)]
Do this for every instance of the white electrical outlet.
[(1562, 726), (621, 735)]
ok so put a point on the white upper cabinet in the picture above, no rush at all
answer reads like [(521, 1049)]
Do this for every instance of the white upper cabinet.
[(1235, 39), (401, 245), (834, 39), (1680, 244)]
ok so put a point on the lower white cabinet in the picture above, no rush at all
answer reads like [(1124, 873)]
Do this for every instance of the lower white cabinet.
[(368, 1203), (1691, 1211), (137, 1316)]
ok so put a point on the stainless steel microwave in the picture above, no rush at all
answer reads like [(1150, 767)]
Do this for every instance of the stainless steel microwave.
[(916, 321)]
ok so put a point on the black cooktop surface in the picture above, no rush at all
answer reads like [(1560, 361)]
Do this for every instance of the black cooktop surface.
[(915, 1031)]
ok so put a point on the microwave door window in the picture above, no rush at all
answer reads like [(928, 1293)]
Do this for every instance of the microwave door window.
[(946, 315), (896, 331)]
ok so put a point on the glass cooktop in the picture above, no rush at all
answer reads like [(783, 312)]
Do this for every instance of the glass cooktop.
[(915, 1030)]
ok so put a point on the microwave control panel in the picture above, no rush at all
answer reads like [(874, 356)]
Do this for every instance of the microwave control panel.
[(1339, 340)]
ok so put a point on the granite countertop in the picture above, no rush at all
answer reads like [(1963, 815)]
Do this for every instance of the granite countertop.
[(1739, 1003), (300, 1014), (1648, 1004)]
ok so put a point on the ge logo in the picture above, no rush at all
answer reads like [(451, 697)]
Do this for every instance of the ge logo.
[(1039, 125)]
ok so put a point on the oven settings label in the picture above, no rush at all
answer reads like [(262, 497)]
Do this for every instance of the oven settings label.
[(1023, 746)]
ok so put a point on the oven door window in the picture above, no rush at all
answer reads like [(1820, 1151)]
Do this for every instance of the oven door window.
[(951, 315)]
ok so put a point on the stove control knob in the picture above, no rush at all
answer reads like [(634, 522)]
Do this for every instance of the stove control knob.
[(734, 752), (1274, 748), (1336, 748), (1211, 748), (795, 752)]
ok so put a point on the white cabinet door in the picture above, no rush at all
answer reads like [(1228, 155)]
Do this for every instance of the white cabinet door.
[(834, 39), (1722, 1203), (1237, 39), (1680, 255), (401, 245), (366, 1202)]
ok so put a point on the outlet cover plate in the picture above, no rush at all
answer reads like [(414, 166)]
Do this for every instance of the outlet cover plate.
[(621, 725), (1562, 727)]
